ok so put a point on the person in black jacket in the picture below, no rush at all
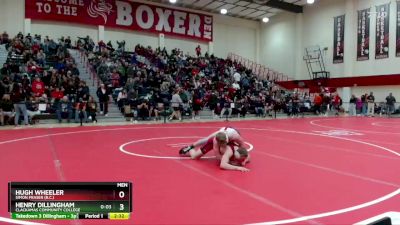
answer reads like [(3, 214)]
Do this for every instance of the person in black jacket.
[(103, 94), (6, 108), (390, 101)]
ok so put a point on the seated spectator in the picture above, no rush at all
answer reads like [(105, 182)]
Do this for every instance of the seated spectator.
[(115, 79), (41, 58), (122, 99), (32, 107), (225, 103), (64, 109), (38, 87), (259, 107), (57, 94)]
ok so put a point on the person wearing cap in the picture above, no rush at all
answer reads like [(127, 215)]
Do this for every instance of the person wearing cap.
[(228, 146)]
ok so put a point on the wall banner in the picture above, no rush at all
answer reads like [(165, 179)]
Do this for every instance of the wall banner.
[(382, 31), (398, 31), (338, 43), (123, 14), (363, 33)]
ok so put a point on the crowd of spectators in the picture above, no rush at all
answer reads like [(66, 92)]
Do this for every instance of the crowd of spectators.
[(147, 81), (39, 78), (366, 105)]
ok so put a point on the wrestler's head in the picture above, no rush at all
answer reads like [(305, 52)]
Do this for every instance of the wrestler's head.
[(222, 138), (241, 154)]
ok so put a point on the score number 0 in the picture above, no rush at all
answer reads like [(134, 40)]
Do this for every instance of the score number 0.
[(121, 195)]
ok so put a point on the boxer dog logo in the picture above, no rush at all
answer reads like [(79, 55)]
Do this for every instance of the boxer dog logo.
[(100, 8)]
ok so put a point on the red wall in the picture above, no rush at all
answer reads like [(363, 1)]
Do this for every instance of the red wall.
[(313, 85)]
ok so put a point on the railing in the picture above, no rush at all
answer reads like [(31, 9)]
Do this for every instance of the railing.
[(89, 68), (261, 71)]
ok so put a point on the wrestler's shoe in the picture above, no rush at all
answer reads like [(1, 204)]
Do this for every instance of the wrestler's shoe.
[(185, 150)]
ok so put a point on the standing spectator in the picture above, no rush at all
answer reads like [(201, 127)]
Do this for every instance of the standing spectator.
[(83, 91), (4, 39), (317, 104), (197, 104), (198, 51), (6, 108), (371, 104), (295, 105), (359, 106), (352, 105), (68, 42), (80, 111), (390, 100), (5, 71), (237, 77), (18, 98), (75, 70), (336, 103), (103, 94), (326, 101), (92, 109), (364, 104), (143, 109), (176, 103)]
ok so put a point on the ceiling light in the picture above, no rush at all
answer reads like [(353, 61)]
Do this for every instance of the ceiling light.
[(310, 1), (172, 1), (265, 19), (224, 11)]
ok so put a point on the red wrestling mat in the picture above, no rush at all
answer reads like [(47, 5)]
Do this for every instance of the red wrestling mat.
[(303, 171)]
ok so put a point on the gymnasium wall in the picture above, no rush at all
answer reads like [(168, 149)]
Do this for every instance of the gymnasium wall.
[(230, 34), (279, 38), (12, 16)]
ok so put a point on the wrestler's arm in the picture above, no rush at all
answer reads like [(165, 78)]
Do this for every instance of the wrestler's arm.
[(224, 164)]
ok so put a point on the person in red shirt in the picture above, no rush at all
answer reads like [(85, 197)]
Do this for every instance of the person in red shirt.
[(115, 79), (35, 48), (317, 103), (38, 87), (57, 94), (336, 102)]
